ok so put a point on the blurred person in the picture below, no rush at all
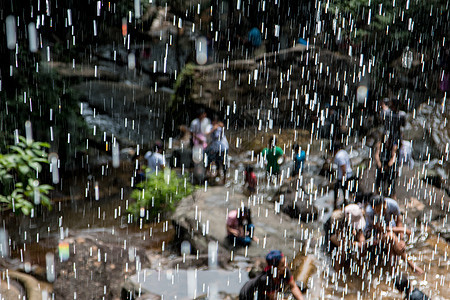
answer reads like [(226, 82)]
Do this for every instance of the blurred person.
[(385, 228), (240, 229), (299, 160), (355, 220), (385, 111), (403, 285), (275, 279), (218, 147), (344, 236), (273, 156), (344, 176), (198, 129), (250, 180), (405, 156), (386, 161), (334, 233), (155, 159), (140, 171)]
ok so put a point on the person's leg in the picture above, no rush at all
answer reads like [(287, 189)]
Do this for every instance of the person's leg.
[(336, 191), (378, 179), (232, 240), (391, 182), (243, 241), (223, 162), (251, 230), (345, 188), (219, 160)]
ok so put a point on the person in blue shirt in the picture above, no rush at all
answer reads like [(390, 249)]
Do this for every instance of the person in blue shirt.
[(299, 160)]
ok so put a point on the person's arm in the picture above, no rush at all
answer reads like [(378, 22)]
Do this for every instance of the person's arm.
[(400, 230), (213, 128), (377, 154), (162, 163), (264, 155), (399, 226), (360, 240), (394, 156), (344, 170), (295, 290), (232, 230), (279, 152), (334, 239), (255, 238)]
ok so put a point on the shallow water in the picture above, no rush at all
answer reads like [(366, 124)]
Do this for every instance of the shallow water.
[(191, 283)]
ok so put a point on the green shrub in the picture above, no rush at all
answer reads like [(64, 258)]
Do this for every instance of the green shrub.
[(159, 193), (19, 170)]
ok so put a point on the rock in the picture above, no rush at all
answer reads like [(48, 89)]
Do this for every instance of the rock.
[(296, 204), (88, 271), (33, 287), (201, 218), (303, 268), (11, 290), (415, 208)]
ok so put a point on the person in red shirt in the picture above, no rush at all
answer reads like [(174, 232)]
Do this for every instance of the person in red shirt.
[(250, 180)]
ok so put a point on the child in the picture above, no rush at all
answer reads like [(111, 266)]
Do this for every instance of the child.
[(250, 180), (299, 160)]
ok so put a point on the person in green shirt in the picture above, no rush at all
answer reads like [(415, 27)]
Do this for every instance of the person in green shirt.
[(274, 157)]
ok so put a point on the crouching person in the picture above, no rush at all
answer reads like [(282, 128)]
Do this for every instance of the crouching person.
[(240, 229), (275, 279)]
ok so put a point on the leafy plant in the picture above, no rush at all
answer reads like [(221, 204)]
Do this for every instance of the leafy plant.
[(53, 110), (20, 189), (159, 193)]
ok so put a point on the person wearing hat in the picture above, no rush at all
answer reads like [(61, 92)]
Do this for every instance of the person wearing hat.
[(385, 228), (275, 278), (403, 284)]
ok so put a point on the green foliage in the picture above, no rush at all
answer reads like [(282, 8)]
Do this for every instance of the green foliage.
[(389, 20), (53, 111), (159, 193), (19, 170)]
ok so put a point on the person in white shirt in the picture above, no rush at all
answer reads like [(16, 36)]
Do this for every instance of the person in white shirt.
[(198, 128), (344, 172), (155, 159)]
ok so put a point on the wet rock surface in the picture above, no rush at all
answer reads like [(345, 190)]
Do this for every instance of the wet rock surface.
[(202, 218), (96, 268)]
